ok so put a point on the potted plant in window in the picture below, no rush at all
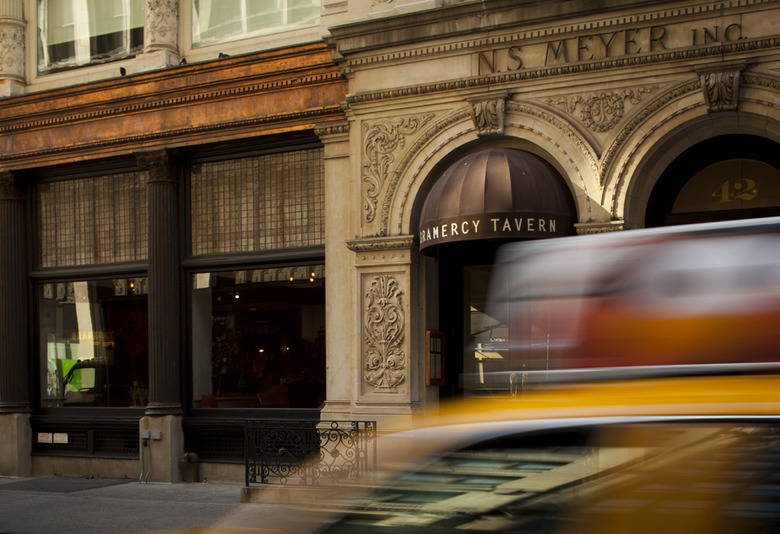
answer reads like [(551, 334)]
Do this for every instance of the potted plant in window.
[(139, 394)]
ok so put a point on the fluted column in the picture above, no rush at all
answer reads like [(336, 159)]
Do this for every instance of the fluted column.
[(12, 26), (14, 396), (164, 285)]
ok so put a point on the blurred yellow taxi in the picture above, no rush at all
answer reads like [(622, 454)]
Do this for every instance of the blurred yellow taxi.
[(682, 454)]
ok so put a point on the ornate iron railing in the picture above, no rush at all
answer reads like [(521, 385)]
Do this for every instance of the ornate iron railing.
[(333, 450)]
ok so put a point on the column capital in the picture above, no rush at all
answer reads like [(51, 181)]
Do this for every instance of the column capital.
[(9, 189), (160, 163)]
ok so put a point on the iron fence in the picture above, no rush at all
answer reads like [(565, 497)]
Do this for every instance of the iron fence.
[(333, 450)]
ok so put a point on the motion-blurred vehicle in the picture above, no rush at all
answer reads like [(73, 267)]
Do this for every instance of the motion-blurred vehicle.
[(686, 295), (675, 454), (639, 392)]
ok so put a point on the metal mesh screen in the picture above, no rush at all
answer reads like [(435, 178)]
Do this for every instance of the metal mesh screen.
[(99, 220), (258, 203)]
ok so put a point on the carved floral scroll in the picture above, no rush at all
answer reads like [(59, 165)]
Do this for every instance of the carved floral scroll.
[(380, 142), (383, 355)]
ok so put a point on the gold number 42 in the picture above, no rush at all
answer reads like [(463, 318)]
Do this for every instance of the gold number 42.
[(742, 189)]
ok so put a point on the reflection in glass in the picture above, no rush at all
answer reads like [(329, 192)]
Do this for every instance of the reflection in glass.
[(230, 20), (79, 32), (258, 338), (93, 342)]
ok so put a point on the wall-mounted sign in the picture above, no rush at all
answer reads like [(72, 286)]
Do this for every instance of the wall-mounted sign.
[(510, 225)]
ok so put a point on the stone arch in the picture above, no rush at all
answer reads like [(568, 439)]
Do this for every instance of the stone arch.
[(526, 127), (674, 122)]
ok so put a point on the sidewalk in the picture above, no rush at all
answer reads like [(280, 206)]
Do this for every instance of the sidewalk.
[(68, 505)]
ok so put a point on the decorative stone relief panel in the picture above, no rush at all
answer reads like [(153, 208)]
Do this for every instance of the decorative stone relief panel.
[(601, 111), (384, 359), (721, 90), (162, 25), (12, 50), (382, 141)]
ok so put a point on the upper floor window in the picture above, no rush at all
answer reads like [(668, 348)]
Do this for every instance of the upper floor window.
[(74, 33), (230, 20)]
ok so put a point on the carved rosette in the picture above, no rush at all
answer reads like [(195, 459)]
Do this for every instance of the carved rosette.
[(488, 116), (381, 141), (162, 25), (721, 90), (11, 50), (384, 359)]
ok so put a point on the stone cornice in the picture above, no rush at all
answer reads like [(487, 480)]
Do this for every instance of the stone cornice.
[(458, 20), (448, 29), (232, 98), (513, 77), (291, 121), (178, 86)]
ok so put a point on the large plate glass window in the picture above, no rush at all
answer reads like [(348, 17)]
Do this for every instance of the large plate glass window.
[(220, 21), (94, 342), (259, 338), (73, 33), (92, 330)]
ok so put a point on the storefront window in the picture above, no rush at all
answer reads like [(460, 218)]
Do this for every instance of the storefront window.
[(230, 20), (93, 342), (258, 338), (73, 33)]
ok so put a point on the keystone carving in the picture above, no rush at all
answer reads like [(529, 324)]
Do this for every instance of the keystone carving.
[(381, 141), (721, 90), (488, 116), (601, 111), (384, 360)]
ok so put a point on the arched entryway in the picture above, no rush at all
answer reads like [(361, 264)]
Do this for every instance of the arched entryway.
[(481, 201), (723, 178)]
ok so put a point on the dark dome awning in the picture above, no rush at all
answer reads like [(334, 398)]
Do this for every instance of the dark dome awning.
[(497, 194)]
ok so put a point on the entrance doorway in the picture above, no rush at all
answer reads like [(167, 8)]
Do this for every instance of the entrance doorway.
[(476, 342), (483, 200), (724, 178)]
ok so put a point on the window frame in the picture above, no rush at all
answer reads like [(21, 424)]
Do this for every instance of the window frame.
[(224, 262)]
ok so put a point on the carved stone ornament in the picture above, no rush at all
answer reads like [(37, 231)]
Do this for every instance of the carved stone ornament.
[(11, 50), (383, 355), (380, 142), (162, 25), (721, 90), (601, 111), (488, 116)]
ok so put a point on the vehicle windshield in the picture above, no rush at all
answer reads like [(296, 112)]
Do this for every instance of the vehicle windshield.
[(616, 478)]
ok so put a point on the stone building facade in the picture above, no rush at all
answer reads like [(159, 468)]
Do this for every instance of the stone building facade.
[(640, 109), (337, 150)]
